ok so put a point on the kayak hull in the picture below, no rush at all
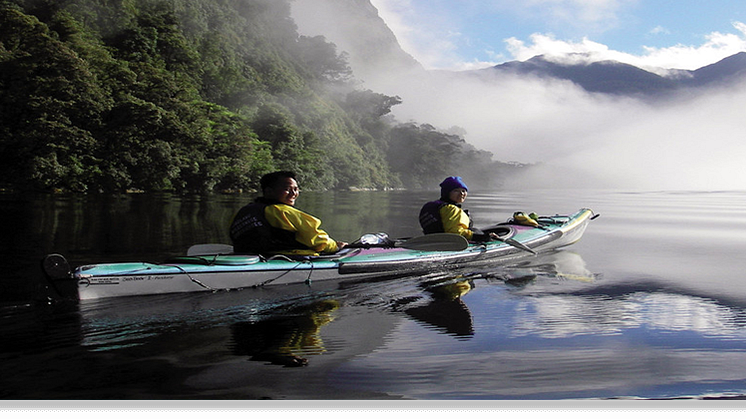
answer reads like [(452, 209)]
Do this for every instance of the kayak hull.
[(225, 272)]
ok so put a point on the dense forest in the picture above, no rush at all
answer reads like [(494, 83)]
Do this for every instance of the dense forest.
[(198, 96)]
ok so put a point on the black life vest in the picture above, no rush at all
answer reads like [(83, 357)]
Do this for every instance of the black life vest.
[(430, 219), (251, 232)]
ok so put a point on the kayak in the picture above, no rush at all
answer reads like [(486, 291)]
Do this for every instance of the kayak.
[(214, 267)]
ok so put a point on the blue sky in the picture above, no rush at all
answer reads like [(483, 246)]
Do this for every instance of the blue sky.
[(463, 34)]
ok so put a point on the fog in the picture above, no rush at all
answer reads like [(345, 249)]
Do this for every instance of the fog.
[(691, 141)]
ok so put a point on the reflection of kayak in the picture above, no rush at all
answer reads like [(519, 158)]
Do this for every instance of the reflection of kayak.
[(218, 271)]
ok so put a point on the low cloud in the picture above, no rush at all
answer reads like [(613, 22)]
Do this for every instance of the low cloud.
[(587, 140), (684, 57)]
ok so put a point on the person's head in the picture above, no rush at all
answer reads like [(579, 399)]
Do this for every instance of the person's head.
[(280, 186), (453, 189)]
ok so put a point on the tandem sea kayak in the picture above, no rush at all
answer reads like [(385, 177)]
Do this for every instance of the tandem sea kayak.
[(214, 267)]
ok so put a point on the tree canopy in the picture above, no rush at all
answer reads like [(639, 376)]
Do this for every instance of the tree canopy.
[(196, 96)]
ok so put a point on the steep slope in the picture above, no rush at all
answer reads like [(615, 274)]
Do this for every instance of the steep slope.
[(729, 69), (355, 27)]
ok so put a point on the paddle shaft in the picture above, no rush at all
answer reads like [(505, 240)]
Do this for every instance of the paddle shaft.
[(443, 242), (518, 245)]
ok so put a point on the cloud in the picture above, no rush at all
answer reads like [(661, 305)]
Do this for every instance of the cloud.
[(434, 39), (587, 140), (433, 36), (426, 36), (690, 144), (587, 14), (686, 57), (548, 45), (690, 57), (659, 30)]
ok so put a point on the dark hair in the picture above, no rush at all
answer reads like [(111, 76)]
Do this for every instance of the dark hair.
[(270, 180)]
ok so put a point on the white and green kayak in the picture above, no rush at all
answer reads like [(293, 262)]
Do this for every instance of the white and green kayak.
[(215, 267)]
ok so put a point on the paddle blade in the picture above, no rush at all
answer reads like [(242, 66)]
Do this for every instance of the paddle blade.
[(437, 242), (209, 249), (519, 245)]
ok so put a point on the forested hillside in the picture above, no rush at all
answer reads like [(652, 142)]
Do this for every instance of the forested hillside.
[(197, 96)]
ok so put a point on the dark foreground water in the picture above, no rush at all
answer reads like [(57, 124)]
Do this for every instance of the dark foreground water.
[(651, 304)]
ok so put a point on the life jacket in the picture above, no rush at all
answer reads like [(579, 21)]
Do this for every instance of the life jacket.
[(430, 219), (252, 233)]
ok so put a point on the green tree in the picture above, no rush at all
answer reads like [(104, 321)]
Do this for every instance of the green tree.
[(195, 96), (50, 106), (319, 58)]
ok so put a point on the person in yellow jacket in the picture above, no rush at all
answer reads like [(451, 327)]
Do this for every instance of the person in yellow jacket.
[(272, 224), (446, 216)]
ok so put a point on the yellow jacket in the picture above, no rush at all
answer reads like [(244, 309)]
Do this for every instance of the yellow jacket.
[(455, 220), (305, 226)]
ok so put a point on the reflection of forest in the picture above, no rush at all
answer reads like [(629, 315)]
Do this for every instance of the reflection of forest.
[(99, 228)]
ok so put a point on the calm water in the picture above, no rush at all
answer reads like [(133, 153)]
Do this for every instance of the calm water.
[(651, 303)]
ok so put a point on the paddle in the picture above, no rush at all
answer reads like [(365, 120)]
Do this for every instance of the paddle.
[(438, 242), (518, 245), (507, 240), (442, 242), (210, 249), (435, 242)]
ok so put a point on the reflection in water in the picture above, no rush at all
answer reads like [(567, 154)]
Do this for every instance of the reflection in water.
[(563, 316), (446, 311), (562, 334), (281, 340), (557, 265)]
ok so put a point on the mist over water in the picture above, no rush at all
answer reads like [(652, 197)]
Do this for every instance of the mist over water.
[(689, 141)]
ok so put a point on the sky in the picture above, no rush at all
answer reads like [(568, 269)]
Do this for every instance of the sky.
[(467, 34)]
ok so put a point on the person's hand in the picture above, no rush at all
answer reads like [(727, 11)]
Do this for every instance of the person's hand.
[(341, 245)]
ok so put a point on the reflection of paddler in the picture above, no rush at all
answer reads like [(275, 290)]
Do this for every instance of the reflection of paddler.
[(447, 311), (279, 340), (306, 337), (453, 290)]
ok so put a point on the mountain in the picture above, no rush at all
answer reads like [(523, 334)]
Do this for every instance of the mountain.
[(732, 68), (356, 29), (617, 78)]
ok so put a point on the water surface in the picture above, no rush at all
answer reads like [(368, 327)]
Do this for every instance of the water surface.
[(649, 304)]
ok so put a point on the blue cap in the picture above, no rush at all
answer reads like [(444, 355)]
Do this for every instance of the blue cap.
[(451, 183)]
